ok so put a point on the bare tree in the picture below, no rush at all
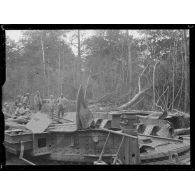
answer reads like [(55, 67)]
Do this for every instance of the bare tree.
[(140, 91), (46, 77), (153, 84), (43, 54), (186, 71), (129, 61)]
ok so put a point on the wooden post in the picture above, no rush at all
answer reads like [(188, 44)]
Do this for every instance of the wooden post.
[(131, 149)]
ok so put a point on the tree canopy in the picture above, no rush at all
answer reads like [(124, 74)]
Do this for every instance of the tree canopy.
[(108, 62)]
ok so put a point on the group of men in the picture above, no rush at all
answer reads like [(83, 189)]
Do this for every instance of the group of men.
[(19, 107), (61, 103), (22, 105), (23, 100)]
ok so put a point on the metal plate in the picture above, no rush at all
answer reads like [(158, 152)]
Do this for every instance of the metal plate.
[(39, 123)]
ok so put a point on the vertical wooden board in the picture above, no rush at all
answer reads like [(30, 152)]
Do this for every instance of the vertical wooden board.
[(133, 152), (127, 150), (124, 152), (138, 152)]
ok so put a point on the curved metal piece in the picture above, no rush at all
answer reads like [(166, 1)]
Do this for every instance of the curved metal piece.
[(174, 158)]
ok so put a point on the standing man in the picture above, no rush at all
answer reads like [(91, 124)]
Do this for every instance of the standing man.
[(65, 103), (51, 105), (38, 101), (62, 104), (60, 107), (22, 98)]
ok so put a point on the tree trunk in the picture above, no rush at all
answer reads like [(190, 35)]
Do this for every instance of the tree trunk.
[(79, 44), (44, 65), (129, 61), (186, 71), (62, 72), (182, 81), (48, 83), (173, 83), (43, 55), (154, 99), (79, 58), (59, 82)]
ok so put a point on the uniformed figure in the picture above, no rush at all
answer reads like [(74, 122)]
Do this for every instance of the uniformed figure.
[(26, 100), (38, 101), (51, 105), (25, 110), (19, 110), (6, 110), (62, 104), (18, 100), (22, 97)]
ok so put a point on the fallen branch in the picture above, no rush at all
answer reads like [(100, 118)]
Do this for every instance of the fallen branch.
[(138, 102), (139, 94), (106, 97), (133, 100)]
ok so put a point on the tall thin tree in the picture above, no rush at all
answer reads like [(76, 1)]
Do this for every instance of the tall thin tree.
[(186, 71)]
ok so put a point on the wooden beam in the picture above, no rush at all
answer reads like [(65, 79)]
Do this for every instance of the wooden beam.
[(119, 133), (159, 137)]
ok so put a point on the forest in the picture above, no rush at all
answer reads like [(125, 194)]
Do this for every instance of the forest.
[(120, 69)]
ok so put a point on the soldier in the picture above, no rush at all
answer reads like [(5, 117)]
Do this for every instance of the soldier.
[(18, 99), (62, 104), (6, 110), (38, 101), (60, 107), (26, 100), (25, 110), (19, 110), (51, 105)]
